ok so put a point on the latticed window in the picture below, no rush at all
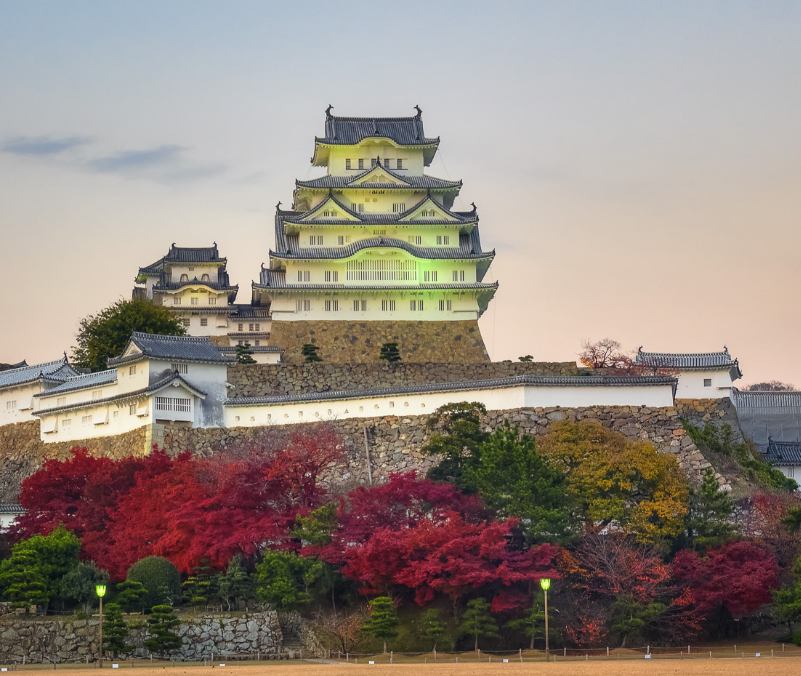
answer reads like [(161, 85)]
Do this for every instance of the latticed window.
[(174, 404), (388, 306), (181, 368), (381, 270), (331, 305)]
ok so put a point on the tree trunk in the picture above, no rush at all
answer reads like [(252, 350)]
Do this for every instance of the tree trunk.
[(333, 601), (476, 645), (623, 643), (385, 647), (531, 647)]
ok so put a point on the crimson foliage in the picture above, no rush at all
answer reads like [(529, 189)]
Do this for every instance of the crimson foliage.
[(184, 509)]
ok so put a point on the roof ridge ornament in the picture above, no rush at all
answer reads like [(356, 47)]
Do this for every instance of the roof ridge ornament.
[(419, 113), (475, 208), (328, 114), (278, 206)]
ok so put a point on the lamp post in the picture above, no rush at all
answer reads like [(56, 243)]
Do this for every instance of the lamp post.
[(101, 592), (545, 583)]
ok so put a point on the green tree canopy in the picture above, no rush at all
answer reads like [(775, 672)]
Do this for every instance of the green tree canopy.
[(159, 577), (630, 618), (787, 600), (115, 631), (710, 517), (106, 334), (309, 353), (236, 584), (162, 623), (22, 581), (389, 352), (244, 355), (457, 437), (477, 621), (431, 626), (78, 585), (130, 595), (383, 622), (515, 481), (533, 623), (279, 580)]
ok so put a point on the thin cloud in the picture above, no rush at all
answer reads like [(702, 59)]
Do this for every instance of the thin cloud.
[(43, 146), (136, 161)]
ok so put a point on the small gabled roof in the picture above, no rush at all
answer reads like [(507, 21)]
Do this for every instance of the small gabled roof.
[(783, 452), (172, 348), (57, 370), (82, 382), (403, 182), (176, 254), (12, 509), (688, 360)]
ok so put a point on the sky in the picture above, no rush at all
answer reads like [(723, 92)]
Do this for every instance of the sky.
[(636, 166)]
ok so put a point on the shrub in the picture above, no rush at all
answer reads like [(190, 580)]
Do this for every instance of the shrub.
[(160, 579)]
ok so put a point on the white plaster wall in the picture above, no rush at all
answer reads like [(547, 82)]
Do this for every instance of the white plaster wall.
[(331, 234), (22, 403), (208, 378), (418, 404), (120, 420), (6, 521), (196, 270), (369, 150), (791, 472), (691, 384)]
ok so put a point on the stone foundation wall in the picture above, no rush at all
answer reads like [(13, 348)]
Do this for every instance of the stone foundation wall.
[(346, 342), (394, 442), (258, 380), (716, 411), (42, 640), (22, 452)]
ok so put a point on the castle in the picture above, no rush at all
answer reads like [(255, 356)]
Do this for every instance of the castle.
[(372, 252)]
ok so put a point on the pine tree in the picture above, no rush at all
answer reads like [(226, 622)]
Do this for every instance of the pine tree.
[(787, 600), (22, 579), (309, 353), (390, 353), (477, 621), (162, 621), (383, 622), (130, 595), (115, 631), (236, 584), (244, 354), (533, 624), (432, 627), (709, 520)]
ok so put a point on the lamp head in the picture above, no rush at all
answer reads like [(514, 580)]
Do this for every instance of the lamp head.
[(101, 590), (545, 583)]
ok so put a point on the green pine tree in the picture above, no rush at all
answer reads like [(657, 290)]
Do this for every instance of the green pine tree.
[(383, 622), (477, 621), (516, 481), (22, 580), (163, 639), (456, 438), (316, 528), (709, 521), (432, 627), (279, 580), (236, 584), (390, 353), (130, 595), (115, 631), (631, 618), (787, 600), (533, 623), (309, 353), (244, 355)]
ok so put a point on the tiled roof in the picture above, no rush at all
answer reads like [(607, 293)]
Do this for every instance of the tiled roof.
[(545, 381), (757, 399), (428, 182), (82, 382), (216, 286), (125, 395), (276, 279), (177, 348), (249, 312), (687, 360), (462, 252), (783, 452), (208, 254), (12, 509), (28, 374), (255, 349), (405, 131), (9, 367)]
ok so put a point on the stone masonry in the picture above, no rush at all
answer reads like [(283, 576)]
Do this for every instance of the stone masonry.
[(43, 640), (258, 380), (349, 342)]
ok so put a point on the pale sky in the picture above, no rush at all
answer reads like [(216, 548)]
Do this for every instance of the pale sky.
[(637, 166)]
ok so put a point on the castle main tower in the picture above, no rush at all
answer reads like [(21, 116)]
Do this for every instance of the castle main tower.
[(374, 252)]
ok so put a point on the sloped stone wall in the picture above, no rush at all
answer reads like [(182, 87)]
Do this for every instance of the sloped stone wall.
[(346, 342), (258, 380), (44, 640), (22, 452), (715, 411)]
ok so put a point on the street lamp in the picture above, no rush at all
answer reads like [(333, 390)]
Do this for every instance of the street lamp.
[(101, 592), (545, 583)]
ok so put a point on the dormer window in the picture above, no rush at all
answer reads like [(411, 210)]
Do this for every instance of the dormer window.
[(184, 278), (204, 277)]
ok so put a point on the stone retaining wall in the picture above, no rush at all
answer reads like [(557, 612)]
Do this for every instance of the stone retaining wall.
[(44, 640), (258, 380), (716, 411), (353, 342), (22, 452)]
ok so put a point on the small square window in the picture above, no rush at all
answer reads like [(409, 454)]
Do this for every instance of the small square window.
[(204, 321), (707, 382)]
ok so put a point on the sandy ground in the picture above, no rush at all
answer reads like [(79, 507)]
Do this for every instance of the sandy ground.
[(716, 667)]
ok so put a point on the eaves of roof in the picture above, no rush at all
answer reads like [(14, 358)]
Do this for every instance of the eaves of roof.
[(155, 387), (381, 287), (542, 381), (455, 253), (85, 381)]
